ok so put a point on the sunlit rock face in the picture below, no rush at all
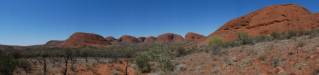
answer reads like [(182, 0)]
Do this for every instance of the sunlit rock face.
[(194, 37), (128, 39), (276, 18), (169, 37), (80, 39)]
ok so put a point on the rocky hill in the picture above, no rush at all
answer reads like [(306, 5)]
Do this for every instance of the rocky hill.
[(191, 36), (54, 43), (298, 56), (275, 18), (169, 37), (80, 39), (286, 53)]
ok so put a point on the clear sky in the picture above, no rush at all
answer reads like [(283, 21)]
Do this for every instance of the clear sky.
[(30, 22)]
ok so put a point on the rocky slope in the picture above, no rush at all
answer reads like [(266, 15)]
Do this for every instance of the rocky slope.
[(294, 56), (285, 57), (75, 66), (276, 18)]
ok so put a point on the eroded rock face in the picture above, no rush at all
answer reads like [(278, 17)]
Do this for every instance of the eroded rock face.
[(54, 43), (80, 39), (169, 37), (276, 18), (128, 39), (194, 37)]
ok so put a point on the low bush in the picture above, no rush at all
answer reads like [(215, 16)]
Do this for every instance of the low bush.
[(215, 41), (7, 64), (161, 54), (243, 38), (143, 63)]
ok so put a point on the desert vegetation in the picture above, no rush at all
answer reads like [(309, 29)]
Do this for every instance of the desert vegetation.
[(254, 51), (145, 56), (244, 39)]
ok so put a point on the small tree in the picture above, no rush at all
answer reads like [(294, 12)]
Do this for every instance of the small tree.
[(215, 41), (216, 44), (142, 61), (243, 38)]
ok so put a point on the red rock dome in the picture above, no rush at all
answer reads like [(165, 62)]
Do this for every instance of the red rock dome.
[(128, 39), (110, 38), (169, 37), (150, 39), (80, 39), (276, 18), (194, 37)]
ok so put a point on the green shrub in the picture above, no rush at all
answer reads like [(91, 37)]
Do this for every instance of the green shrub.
[(313, 33), (276, 35), (215, 41), (7, 64), (161, 54), (286, 35), (262, 38), (142, 61), (243, 38)]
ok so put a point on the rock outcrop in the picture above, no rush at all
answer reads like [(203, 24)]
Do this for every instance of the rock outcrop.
[(128, 39), (110, 38), (150, 39), (276, 18), (169, 37), (194, 37), (80, 39), (141, 39), (54, 43)]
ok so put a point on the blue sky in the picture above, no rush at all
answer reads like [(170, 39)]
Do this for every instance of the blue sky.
[(30, 22)]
